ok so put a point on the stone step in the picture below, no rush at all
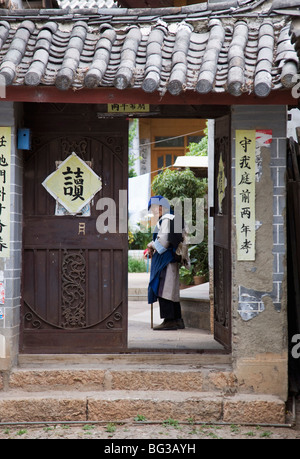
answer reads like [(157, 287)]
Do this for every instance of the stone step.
[(61, 388), (196, 313), (118, 406), (138, 286), (218, 379), (137, 294)]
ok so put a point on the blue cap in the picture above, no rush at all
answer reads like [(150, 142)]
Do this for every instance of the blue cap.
[(159, 201)]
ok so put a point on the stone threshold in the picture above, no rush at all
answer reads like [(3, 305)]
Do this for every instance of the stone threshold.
[(145, 359)]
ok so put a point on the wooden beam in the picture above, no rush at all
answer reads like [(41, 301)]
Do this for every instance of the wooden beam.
[(50, 94), (179, 2)]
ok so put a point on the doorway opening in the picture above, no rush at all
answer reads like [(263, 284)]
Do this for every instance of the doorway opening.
[(157, 146)]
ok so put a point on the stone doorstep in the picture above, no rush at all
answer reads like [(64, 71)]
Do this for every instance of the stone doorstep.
[(55, 394), (139, 360), (159, 406), (219, 379)]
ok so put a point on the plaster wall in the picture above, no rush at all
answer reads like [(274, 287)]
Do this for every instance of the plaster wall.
[(259, 291)]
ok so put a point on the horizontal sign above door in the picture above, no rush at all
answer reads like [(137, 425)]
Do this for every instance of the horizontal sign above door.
[(128, 108)]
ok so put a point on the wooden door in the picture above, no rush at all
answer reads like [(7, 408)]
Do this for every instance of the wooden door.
[(74, 293), (222, 233)]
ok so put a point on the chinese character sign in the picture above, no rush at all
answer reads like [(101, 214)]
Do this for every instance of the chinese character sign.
[(221, 185), (5, 147), (128, 108), (73, 184), (245, 194)]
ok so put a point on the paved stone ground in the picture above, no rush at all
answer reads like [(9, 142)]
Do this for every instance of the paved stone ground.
[(168, 430)]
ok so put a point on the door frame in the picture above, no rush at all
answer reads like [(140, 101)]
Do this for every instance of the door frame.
[(176, 114), (222, 214)]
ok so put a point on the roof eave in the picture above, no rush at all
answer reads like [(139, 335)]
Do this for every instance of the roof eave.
[(111, 95)]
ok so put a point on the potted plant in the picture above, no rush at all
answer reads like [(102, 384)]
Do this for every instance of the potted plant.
[(199, 277), (185, 277), (199, 262)]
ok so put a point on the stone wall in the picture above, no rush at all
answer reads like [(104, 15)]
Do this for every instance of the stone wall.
[(259, 291)]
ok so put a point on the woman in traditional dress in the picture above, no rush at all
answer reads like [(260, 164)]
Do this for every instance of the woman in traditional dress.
[(164, 275)]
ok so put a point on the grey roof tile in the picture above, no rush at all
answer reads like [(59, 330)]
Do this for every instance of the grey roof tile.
[(218, 53), (81, 4)]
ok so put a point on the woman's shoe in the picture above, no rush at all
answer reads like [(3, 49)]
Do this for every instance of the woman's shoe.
[(180, 324), (167, 325)]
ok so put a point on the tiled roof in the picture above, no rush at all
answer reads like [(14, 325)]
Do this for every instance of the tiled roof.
[(75, 4), (235, 47)]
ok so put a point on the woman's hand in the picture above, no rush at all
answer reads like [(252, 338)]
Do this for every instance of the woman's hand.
[(149, 251)]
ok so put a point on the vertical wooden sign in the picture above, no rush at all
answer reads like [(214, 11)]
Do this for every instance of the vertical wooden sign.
[(245, 194), (5, 155)]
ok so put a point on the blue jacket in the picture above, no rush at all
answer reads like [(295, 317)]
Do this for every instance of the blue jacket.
[(159, 261)]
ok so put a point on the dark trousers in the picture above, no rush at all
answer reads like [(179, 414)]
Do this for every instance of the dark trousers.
[(169, 310)]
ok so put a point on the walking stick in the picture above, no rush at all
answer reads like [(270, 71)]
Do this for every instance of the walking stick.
[(151, 315), (151, 303)]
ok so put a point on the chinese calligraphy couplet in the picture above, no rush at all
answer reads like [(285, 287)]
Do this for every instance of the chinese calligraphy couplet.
[(245, 194), (5, 148)]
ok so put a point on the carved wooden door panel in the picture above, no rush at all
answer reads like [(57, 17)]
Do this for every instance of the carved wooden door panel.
[(222, 233), (74, 294)]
